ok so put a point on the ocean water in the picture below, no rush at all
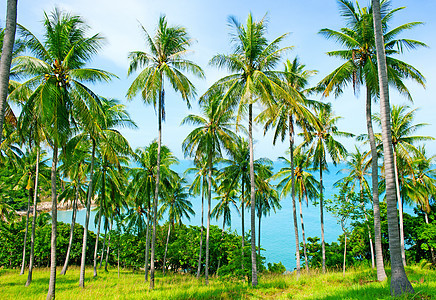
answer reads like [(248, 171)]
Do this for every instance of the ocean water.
[(277, 230)]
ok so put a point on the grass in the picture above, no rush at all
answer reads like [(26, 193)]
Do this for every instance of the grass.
[(357, 284)]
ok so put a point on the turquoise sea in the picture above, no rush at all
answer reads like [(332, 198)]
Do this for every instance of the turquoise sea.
[(277, 231)]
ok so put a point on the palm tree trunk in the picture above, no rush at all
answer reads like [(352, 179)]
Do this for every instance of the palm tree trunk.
[(294, 206), (102, 206), (104, 244), (399, 282), (381, 274), (6, 57), (371, 247), (243, 222), (321, 216), (32, 238), (118, 258), (258, 234), (54, 215), (400, 208), (73, 222), (345, 255), (201, 236), (25, 233), (222, 235), (303, 236), (252, 199), (147, 245), (96, 242), (433, 257), (108, 246), (166, 248), (156, 193), (209, 197), (88, 211)]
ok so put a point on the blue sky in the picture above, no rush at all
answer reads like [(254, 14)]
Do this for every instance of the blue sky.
[(206, 22)]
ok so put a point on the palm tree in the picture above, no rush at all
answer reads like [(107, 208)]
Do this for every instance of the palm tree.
[(74, 168), (321, 142), (177, 205), (102, 133), (420, 185), (6, 57), (25, 176), (212, 134), (402, 130), (112, 153), (60, 98), (360, 69), (282, 116), (305, 186), (140, 192), (399, 282), (253, 78), (356, 178), (267, 198), (199, 186), (144, 179), (227, 198), (236, 168), (166, 60)]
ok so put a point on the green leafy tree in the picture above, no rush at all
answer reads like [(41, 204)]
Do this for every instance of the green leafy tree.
[(284, 115), (321, 143), (58, 74), (403, 143), (399, 282), (212, 135), (165, 61), (360, 69), (177, 205), (252, 79), (356, 179)]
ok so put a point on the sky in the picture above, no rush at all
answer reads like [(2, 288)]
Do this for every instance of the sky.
[(207, 23)]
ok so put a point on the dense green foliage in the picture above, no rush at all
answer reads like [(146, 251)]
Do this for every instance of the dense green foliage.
[(419, 236), (12, 237), (225, 248)]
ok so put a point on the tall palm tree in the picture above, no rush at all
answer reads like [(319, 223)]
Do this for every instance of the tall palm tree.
[(420, 186), (207, 140), (73, 167), (144, 179), (360, 68), (101, 131), (227, 198), (166, 60), (60, 97), (25, 179), (267, 198), (112, 153), (399, 282), (199, 186), (236, 168), (283, 115), (177, 205), (140, 193), (305, 186), (356, 179), (403, 140), (6, 57), (321, 143), (252, 79)]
